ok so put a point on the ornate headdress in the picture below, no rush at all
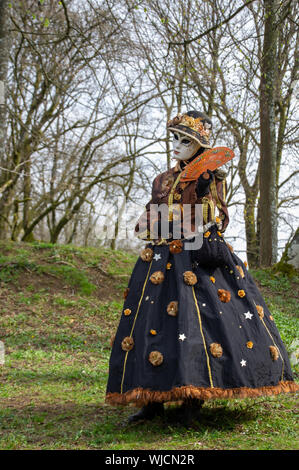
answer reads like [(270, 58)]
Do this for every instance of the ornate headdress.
[(198, 128)]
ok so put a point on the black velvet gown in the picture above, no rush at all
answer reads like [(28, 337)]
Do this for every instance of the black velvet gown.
[(194, 324)]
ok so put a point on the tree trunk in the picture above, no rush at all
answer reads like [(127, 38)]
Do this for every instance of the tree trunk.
[(27, 201), (268, 186), (4, 53), (250, 230)]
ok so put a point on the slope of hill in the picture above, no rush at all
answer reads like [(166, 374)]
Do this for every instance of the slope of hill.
[(59, 307)]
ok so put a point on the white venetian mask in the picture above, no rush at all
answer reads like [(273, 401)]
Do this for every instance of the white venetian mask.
[(184, 147)]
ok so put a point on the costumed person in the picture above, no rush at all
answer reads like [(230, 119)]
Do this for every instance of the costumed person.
[(194, 325)]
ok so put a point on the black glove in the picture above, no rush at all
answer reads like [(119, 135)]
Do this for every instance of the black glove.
[(214, 251), (202, 186)]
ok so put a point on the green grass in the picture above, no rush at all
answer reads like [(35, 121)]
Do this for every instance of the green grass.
[(281, 295), (58, 311)]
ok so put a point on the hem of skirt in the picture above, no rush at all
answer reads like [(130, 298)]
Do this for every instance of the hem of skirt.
[(141, 396)]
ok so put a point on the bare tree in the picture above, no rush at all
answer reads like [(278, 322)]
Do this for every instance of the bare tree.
[(92, 85), (268, 167), (70, 99), (5, 180)]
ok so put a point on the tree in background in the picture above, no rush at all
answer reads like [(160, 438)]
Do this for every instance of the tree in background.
[(91, 86), (268, 163), (226, 62), (70, 97), (6, 181)]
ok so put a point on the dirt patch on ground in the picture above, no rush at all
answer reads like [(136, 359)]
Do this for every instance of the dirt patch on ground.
[(268, 291), (105, 285)]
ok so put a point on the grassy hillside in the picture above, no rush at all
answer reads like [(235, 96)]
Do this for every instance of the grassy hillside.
[(59, 306)]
